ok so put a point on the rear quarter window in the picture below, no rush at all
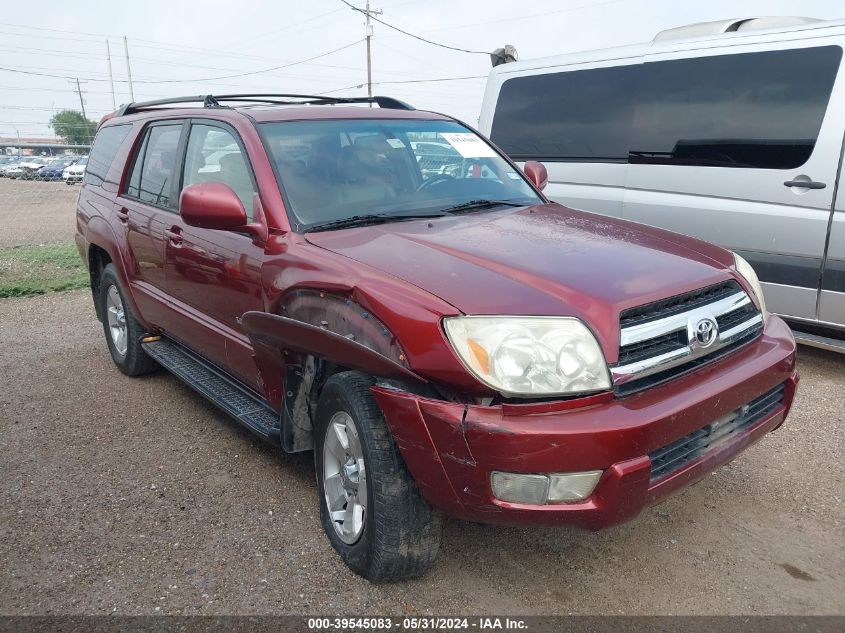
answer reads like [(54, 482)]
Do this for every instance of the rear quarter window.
[(105, 147)]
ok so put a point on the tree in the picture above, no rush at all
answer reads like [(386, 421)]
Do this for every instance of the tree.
[(74, 128)]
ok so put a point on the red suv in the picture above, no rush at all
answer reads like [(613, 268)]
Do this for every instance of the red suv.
[(382, 285)]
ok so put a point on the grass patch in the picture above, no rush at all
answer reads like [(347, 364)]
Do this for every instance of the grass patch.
[(34, 270)]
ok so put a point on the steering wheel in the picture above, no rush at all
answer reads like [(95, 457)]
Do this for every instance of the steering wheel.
[(434, 179)]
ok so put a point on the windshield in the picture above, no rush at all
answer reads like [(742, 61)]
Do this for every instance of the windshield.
[(337, 170)]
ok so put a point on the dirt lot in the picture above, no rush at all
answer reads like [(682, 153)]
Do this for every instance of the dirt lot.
[(33, 212), (135, 496)]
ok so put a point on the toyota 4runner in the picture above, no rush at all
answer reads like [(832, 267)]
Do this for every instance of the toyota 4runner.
[(382, 285)]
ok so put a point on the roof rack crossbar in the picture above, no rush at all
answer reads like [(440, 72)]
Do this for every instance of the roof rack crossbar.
[(215, 101)]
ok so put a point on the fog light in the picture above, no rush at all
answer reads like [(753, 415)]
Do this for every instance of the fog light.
[(542, 489), (531, 489), (572, 486)]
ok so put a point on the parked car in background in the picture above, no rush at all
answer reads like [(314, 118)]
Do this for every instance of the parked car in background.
[(447, 341), (27, 167), (728, 131), (75, 172), (54, 170), (7, 164)]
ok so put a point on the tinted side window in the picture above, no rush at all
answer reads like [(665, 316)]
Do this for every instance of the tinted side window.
[(103, 151), (134, 187), (152, 174), (214, 155), (761, 110), (582, 115)]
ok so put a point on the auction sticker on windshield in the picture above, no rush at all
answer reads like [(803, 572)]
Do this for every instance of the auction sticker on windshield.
[(468, 144)]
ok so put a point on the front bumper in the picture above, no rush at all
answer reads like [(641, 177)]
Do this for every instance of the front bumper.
[(451, 449)]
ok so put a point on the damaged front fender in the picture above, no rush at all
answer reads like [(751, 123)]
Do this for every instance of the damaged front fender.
[(291, 336), (288, 347)]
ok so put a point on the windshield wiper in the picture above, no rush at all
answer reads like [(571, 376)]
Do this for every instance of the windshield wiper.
[(481, 203), (368, 219)]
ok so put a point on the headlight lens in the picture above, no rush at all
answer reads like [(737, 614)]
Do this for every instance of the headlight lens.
[(529, 356), (745, 269)]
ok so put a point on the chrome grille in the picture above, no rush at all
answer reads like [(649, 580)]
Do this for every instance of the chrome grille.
[(659, 341), (672, 457)]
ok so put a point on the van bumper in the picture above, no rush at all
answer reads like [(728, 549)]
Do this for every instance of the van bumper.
[(451, 449)]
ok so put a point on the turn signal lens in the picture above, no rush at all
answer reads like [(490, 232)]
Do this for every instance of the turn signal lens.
[(572, 486)]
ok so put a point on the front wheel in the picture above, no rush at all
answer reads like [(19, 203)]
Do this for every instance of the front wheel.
[(370, 507)]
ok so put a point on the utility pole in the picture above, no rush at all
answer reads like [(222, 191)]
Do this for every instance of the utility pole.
[(128, 69), (368, 32), (111, 77), (79, 92)]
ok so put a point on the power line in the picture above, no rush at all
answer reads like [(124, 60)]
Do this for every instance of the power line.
[(164, 81), (416, 37), (408, 81)]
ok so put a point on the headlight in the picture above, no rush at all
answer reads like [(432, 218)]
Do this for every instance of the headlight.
[(744, 269), (529, 356)]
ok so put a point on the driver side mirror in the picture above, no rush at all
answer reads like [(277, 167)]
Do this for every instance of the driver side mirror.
[(536, 173), (214, 205)]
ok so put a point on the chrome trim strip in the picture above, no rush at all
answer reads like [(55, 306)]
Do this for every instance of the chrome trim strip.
[(650, 365), (727, 335), (653, 329)]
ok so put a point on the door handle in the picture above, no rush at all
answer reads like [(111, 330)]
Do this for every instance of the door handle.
[(122, 214), (174, 235), (805, 184)]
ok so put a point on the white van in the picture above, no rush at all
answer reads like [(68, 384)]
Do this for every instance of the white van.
[(728, 131)]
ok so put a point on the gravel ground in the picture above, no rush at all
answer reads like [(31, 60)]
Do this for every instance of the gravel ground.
[(34, 212), (135, 496)]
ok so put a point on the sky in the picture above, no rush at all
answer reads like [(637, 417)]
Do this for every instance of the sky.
[(177, 47)]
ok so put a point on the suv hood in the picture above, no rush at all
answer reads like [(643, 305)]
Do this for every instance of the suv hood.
[(541, 260)]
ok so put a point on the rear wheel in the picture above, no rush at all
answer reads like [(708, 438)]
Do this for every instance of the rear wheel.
[(122, 330), (370, 507)]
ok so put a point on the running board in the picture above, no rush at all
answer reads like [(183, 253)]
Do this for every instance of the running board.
[(221, 390), (822, 342)]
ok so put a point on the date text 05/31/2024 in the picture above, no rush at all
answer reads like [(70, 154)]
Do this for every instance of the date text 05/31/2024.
[(417, 624)]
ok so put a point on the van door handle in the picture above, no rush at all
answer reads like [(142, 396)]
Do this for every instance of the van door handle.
[(123, 214), (806, 184)]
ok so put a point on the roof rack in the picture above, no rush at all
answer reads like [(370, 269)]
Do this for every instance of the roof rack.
[(218, 101)]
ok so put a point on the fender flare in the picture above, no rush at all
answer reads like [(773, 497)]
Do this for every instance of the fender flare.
[(285, 334), (276, 337), (100, 234)]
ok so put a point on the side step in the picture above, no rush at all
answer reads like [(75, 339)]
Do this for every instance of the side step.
[(221, 390), (822, 342)]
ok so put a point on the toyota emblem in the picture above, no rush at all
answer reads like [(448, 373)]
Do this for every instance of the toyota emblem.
[(706, 332)]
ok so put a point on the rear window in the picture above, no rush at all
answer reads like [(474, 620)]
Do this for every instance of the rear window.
[(106, 144), (754, 110)]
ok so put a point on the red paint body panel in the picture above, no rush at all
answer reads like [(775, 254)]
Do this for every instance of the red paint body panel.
[(194, 284)]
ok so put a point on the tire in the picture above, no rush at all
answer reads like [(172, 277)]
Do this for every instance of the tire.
[(400, 532), (126, 352)]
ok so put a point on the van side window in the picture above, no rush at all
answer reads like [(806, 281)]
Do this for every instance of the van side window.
[(214, 155), (582, 115), (152, 175), (754, 110), (107, 142)]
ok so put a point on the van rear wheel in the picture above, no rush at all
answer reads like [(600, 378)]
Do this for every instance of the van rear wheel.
[(370, 507)]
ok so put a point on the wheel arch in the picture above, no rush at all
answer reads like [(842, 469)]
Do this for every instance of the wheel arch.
[(296, 357)]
